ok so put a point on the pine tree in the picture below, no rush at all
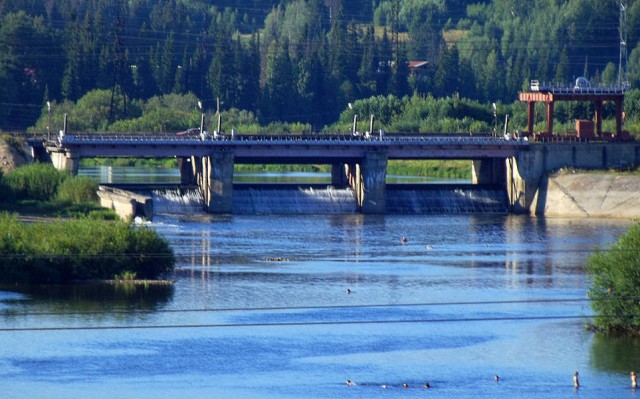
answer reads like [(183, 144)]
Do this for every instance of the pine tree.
[(278, 100), (563, 67)]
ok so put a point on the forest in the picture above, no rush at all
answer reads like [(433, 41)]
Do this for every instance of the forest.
[(156, 64)]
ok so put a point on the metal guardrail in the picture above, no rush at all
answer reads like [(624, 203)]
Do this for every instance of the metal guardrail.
[(556, 88), (395, 139)]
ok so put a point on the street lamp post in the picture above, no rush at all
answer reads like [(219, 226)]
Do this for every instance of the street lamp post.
[(48, 120)]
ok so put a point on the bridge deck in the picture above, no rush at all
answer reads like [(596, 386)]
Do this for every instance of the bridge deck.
[(288, 149)]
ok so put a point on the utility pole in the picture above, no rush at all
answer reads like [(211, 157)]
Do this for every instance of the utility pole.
[(118, 60), (395, 46), (395, 27), (622, 28)]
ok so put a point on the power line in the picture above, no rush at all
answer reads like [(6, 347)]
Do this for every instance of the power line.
[(307, 323), (318, 307)]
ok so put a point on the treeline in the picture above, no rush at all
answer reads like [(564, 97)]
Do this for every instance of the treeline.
[(299, 60), (409, 114)]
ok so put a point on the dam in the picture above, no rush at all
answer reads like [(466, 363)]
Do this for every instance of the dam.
[(515, 168)]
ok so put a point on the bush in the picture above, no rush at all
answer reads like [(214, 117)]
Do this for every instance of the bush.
[(77, 190), (615, 287), (7, 192), (38, 181)]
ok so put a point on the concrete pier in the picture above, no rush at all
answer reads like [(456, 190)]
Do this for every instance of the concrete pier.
[(490, 171), (65, 160), (372, 192), (339, 175), (216, 182)]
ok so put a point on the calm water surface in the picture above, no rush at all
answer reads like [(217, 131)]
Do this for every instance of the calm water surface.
[(260, 309)]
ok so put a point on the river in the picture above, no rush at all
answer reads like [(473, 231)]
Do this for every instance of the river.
[(292, 306)]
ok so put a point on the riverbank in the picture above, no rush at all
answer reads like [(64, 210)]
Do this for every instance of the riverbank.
[(600, 195)]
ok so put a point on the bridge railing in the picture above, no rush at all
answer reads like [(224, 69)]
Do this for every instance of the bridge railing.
[(292, 139)]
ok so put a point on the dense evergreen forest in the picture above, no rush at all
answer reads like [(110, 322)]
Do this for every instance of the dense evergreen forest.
[(297, 60)]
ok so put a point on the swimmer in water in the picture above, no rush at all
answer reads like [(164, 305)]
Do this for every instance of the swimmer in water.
[(404, 240), (576, 382), (634, 381)]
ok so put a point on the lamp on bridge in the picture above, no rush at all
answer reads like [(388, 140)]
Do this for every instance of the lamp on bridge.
[(354, 128), (48, 120), (201, 117)]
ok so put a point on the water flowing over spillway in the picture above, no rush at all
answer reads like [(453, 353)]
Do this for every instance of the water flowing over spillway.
[(177, 201), (291, 199), (439, 199)]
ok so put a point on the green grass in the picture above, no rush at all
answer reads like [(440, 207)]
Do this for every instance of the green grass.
[(69, 250)]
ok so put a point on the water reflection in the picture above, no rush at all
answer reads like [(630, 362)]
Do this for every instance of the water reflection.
[(615, 354), (90, 298)]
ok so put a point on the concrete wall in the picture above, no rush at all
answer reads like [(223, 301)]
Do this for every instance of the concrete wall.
[(65, 161), (528, 172), (125, 203), (593, 195)]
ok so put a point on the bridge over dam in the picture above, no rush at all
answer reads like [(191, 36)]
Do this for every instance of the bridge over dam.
[(518, 167)]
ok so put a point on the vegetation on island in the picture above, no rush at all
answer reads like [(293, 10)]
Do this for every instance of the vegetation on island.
[(91, 245), (615, 284), (79, 250), (40, 189)]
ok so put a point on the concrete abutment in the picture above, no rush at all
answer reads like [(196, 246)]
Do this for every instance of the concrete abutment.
[(527, 173)]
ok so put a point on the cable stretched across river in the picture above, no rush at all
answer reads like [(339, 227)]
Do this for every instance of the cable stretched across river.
[(301, 324)]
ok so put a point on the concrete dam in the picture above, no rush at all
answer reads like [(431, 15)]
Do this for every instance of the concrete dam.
[(511, 173)]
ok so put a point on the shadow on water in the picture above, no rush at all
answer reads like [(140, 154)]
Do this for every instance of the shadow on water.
[(81, 298), (615, 354)]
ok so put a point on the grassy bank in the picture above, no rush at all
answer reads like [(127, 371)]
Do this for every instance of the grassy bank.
[(89, 244), (78, 250), (41, 190), (455, 169)]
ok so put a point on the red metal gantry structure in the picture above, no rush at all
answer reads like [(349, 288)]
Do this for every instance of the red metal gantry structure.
[(581, 91)]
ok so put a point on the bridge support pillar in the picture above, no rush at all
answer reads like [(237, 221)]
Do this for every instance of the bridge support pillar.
[(527, 182), (372, 190), (216, 182), (339, 175), (489, 171), (65, 161), (187, 172)]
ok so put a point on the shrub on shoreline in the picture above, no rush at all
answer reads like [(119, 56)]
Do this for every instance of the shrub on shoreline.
[(36, 181), (77, 190), (615, 287)]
